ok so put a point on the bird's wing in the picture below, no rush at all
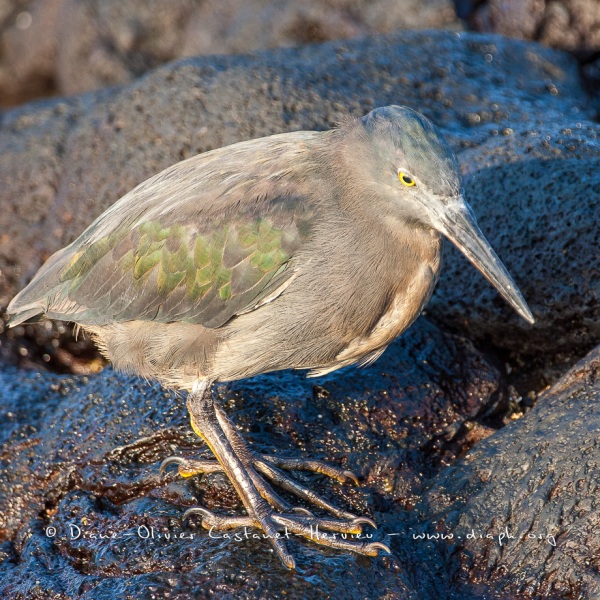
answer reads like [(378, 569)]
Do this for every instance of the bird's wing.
[(198, 251)]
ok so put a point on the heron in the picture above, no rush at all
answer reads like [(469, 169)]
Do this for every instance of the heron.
[(305, 250)]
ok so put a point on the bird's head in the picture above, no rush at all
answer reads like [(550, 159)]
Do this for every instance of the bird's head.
[(417, 175)]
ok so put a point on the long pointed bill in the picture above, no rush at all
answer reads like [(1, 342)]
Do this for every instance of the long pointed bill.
[(459, 225)]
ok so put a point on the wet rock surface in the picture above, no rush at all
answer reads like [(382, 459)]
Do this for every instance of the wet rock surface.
[(535, 190), (84, 512), (533, 489), (80, 459)]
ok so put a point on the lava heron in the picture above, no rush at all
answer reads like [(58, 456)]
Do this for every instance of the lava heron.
[(305, 250)]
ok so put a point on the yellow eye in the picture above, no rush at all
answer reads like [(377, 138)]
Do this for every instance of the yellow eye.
[(407, 180)]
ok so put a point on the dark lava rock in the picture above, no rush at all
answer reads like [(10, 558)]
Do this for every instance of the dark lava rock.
[(523, 506), (536, 191), (568, 24), (65, 161), (83, 509), (58, 47)]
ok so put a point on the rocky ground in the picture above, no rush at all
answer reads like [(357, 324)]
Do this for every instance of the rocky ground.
[(58, 47), (470, 508)]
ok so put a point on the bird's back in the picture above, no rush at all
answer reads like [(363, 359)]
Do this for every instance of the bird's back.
[(230, 215)]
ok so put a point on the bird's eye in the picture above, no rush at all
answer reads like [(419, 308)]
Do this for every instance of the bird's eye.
[(406, 180)]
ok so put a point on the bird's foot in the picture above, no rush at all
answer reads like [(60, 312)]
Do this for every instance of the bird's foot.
[(270, 467), (282, 518), (251, 475), (332, 533)]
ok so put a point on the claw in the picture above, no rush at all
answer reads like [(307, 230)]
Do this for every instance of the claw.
[(364, 521), (351, 475), (198, 510), (288, 561), (373, 547), (171, 460)]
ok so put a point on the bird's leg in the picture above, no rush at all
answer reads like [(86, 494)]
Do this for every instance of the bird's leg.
[(269, 466), (275, 475), (266, 509), (204, 421)]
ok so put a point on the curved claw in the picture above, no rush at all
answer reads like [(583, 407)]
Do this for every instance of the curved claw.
[(198, 510), (351, 475), (373, 547), (171, 460), (364, 521)]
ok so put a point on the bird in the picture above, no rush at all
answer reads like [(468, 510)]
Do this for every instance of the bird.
[(306, 250)]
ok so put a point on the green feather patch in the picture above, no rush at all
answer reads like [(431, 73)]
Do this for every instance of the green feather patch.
[(176, 255)]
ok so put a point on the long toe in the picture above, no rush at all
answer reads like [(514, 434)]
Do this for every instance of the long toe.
[(290, 485), (317, 524), (332, 533), (311, 530), (316, 466)]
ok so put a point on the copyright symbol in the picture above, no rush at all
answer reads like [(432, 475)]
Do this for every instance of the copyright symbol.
[(50, 531)]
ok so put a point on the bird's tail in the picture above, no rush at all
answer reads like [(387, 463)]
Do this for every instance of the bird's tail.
[(30, 315), (32, 302)]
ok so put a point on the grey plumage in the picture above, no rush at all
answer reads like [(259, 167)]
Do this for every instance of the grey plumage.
[(303, 250)]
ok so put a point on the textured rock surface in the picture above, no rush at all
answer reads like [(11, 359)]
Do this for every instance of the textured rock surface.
[(84, 511), (72, 46), (67, 160), (84, 452), (568, 24), (537, 193), (537, 481)]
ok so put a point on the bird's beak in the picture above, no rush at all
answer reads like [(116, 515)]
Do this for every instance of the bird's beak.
[(459, 225)]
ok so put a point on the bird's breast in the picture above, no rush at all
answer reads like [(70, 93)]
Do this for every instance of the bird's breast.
[(408, 295)]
